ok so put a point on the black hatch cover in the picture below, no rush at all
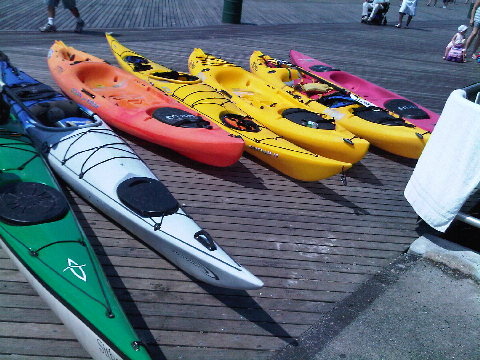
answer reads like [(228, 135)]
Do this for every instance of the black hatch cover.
[(179, 118), (304, 117), (378, 116), (406, 109), (30, 203), (147, 197)]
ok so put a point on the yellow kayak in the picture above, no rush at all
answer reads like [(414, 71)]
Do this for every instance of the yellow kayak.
[(262, 143), (376, 125), (278, 110)]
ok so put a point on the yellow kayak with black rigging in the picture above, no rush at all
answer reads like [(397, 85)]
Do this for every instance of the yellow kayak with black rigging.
[(379, 127), (260, 142), (279, 111)]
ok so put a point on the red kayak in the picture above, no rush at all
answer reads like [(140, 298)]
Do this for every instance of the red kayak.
[(373, 94), (134, 106)]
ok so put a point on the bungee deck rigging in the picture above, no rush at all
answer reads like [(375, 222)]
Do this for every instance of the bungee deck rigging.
[(382, 128), (40, 233), (217, 105)]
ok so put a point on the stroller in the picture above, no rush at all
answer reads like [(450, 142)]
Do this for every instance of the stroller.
[(456, 54), (380, 17)]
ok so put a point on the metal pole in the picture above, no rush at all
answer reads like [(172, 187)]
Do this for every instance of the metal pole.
[(468, 219), (232, 11)]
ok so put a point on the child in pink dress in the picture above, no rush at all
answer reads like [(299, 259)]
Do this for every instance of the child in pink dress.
[(456, 45)]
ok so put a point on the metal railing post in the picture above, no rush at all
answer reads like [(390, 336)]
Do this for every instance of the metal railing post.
[(232, 11)]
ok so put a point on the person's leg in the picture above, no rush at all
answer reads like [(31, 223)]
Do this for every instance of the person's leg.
[(72, 6), (365, 7), (409, 18), (50, 26), (51, 11), (75, 12), (471, 37), (447, 50), (475, 47), (400, 19), (374, 12)]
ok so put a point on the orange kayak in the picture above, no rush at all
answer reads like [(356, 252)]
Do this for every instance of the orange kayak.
[(135, 107)]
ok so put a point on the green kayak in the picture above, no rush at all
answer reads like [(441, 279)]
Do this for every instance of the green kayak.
[(43, 238)]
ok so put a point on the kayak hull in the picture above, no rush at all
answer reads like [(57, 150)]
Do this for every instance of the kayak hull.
[(46, 243), (98, 165), (90, 341), (260, 142), (394, 135), (416, 114), (135, 107), (268, 105)]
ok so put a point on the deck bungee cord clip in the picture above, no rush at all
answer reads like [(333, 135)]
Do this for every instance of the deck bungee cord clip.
[(420, 136)]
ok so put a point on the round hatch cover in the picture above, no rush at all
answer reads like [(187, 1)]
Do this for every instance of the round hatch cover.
[(30, 203)]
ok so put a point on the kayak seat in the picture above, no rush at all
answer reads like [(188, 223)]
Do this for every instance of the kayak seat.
[(139, 63), (49, 113), (308, 118), (406, 109), (239, 122), (336, 101), (147, 197), (180, 118), (175, 75), (322, 68), (378, 116), (33, 91), (30, 203)]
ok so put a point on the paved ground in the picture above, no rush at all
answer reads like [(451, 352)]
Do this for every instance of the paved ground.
[(414, 309)]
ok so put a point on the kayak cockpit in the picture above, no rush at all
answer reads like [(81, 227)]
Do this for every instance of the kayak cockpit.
[(47, 108), (139, 63), (60, 113), (174, 77)]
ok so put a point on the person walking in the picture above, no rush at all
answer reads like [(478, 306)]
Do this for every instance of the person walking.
[(67, 4), (475, 22), (408, 8)]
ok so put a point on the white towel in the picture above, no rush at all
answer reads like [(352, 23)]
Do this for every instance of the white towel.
[(449, 167)]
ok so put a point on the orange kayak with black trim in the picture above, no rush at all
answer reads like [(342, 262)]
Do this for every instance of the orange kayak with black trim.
[(135, 107)]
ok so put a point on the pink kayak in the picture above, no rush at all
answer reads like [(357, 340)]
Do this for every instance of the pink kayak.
[(374, 94)]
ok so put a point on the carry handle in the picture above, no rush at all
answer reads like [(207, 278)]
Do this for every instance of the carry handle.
[(205, 239)]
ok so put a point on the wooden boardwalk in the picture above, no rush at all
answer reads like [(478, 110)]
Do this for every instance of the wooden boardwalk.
[(313, 244), (148, 14)]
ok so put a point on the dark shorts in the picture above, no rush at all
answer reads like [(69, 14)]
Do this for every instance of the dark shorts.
[(67, 4)]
